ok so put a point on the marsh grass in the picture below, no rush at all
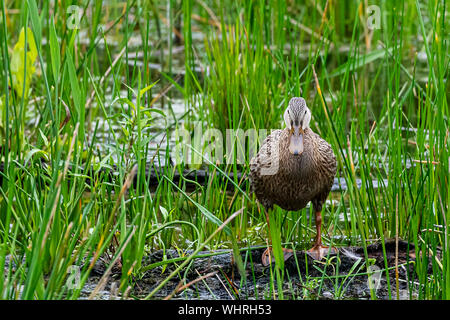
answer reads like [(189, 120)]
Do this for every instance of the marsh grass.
[(69, 148)]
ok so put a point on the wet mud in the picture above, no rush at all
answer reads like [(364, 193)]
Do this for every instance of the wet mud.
[(342, 276)]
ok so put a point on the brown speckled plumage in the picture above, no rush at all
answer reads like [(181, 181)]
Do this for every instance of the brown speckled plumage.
[(293, 167), (299, 178)]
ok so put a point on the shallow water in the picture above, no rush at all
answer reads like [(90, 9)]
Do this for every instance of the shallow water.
[(160, 132)]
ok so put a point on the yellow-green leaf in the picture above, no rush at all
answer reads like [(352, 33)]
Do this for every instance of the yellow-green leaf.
[(22, 63)]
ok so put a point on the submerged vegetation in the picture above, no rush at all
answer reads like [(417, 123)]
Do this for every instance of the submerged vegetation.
[(93, 93)]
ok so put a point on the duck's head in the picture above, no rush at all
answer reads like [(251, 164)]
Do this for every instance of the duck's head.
[(297, 117)]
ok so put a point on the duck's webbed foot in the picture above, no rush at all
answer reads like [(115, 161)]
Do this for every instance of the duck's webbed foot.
[(319, 251), (267, 256)]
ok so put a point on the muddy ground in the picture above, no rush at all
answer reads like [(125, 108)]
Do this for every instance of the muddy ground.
[(304, 278)]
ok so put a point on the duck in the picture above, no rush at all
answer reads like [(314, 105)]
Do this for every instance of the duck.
[(294, 166)]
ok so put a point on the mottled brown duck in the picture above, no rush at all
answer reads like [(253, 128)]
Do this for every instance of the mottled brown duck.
[(293, 167)]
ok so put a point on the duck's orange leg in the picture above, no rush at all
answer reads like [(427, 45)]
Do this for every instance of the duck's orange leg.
[(318, 251)]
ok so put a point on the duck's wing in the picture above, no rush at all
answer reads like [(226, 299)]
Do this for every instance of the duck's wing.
[(328, 159), (326, 173), (266, 160), (324, 157)]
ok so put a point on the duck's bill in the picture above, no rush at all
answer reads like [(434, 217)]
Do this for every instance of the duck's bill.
[(296, 145)]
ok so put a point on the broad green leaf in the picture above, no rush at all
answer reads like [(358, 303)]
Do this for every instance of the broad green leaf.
[(22, 63), (44, 138), (144, 90), (127, 101), (148, 110), (34, 151)]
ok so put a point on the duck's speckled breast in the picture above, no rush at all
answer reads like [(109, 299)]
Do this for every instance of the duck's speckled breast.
[(299, 178)]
